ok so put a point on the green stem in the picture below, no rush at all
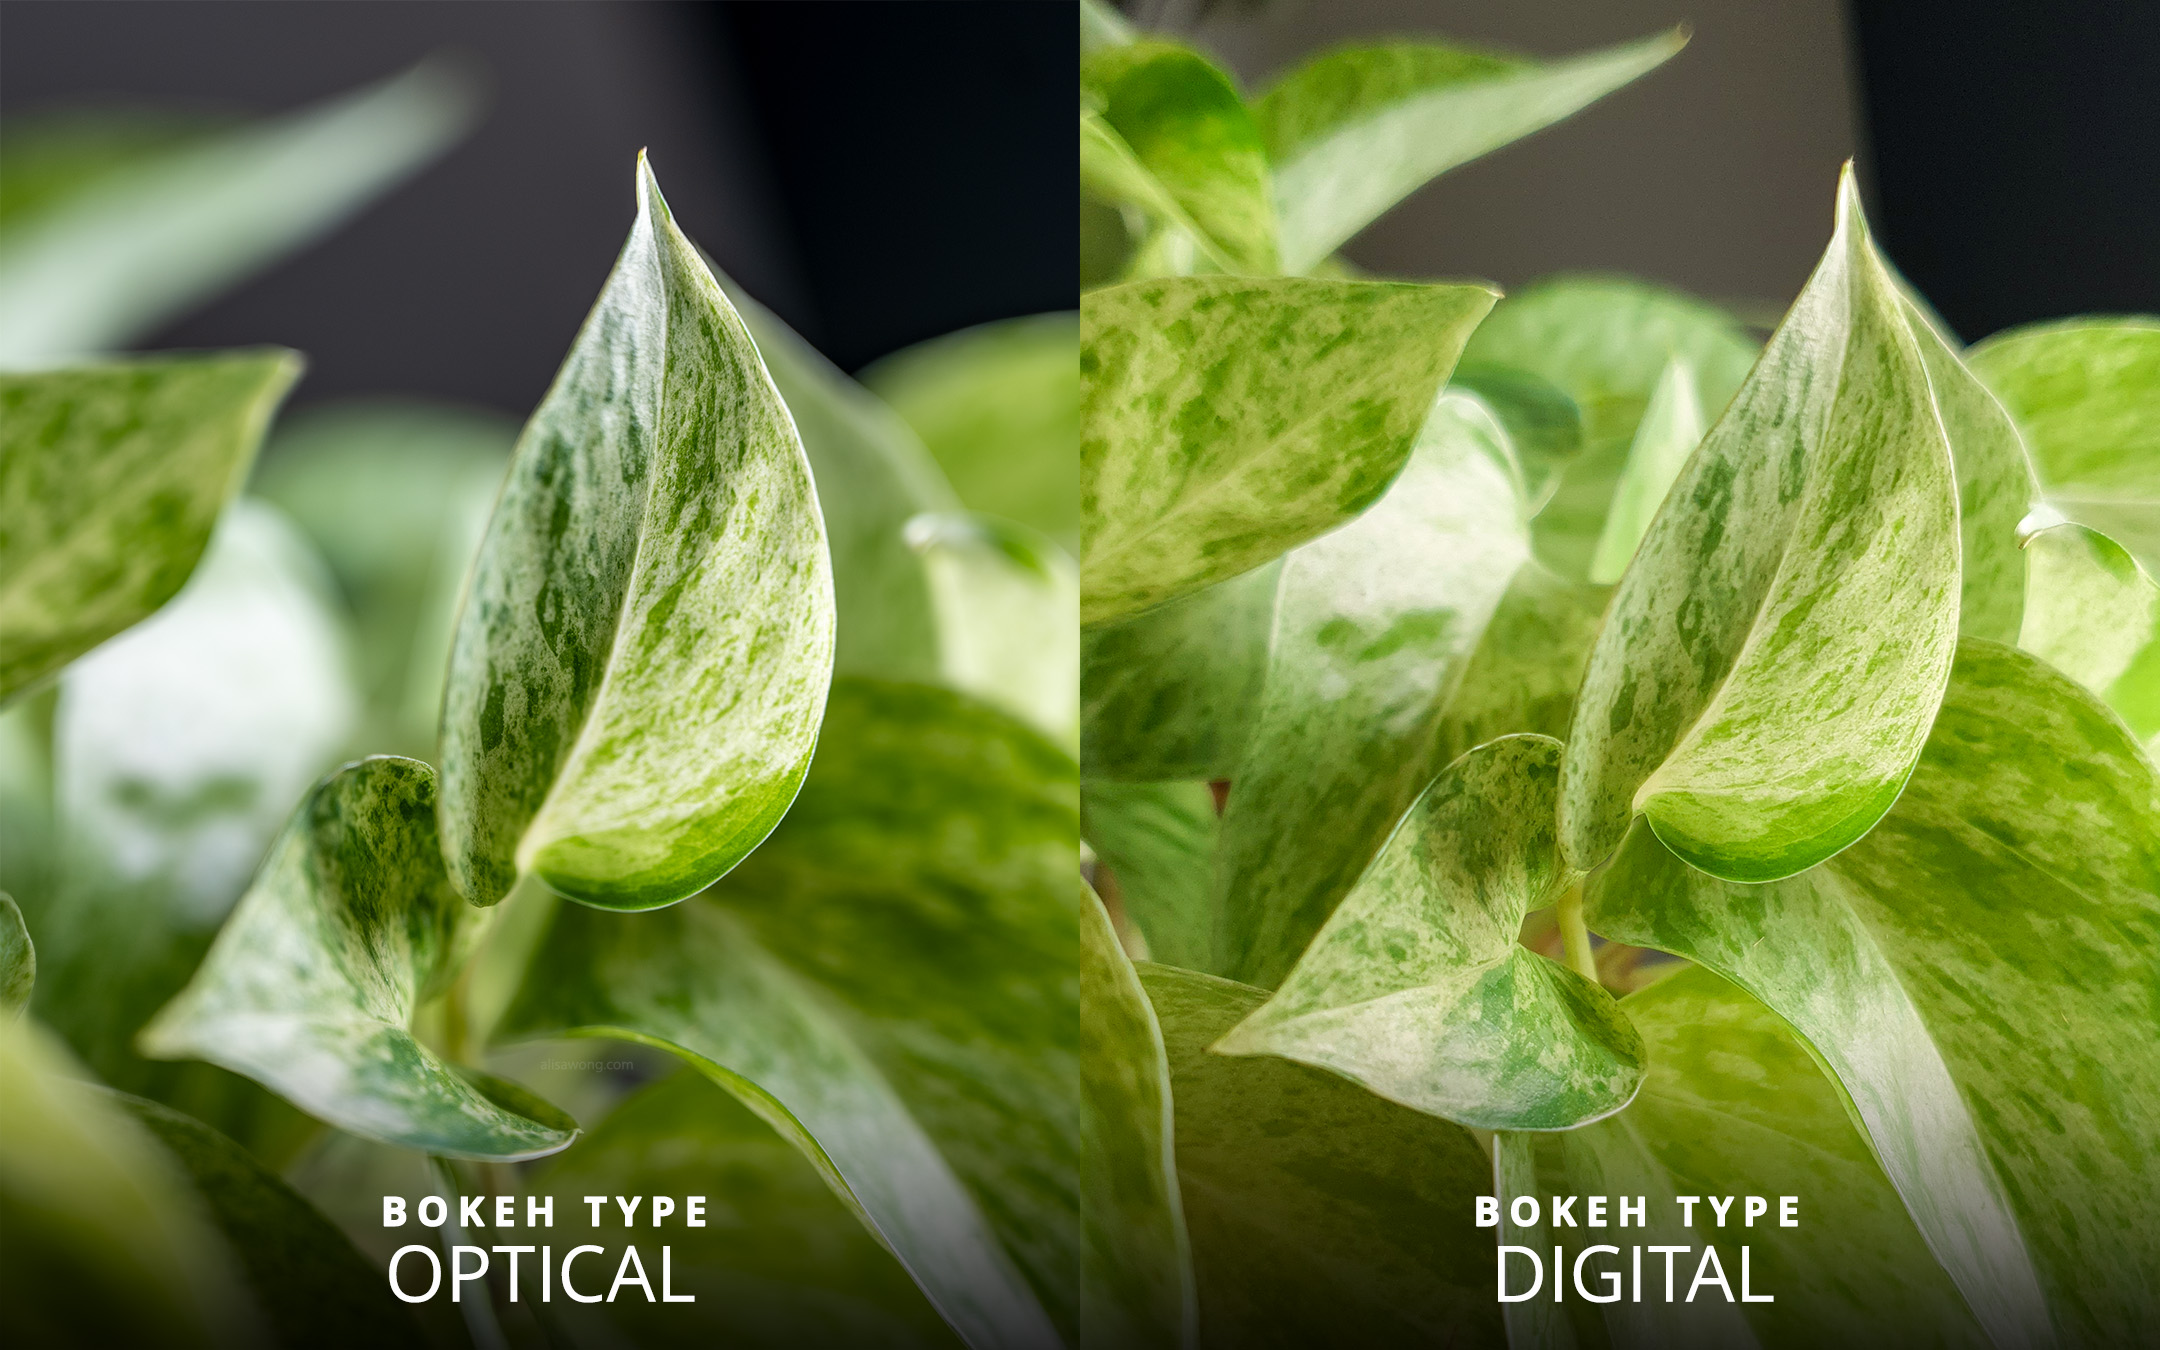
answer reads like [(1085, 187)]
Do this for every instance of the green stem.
[(1574, 934)]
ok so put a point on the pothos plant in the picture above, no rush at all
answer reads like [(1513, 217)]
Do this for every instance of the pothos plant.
[(1558, 745), (756, 745)]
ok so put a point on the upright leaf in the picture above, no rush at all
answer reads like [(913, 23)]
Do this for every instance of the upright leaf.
[(2094, 614), (1007, 603), (638, 674), (111, 477), (891, 982), (95, 268), (1670, 429), (1357, 129), (1416, 987), (1767, 673), (1226, 420), (311, 987), (1978, 973), (1158, 840)]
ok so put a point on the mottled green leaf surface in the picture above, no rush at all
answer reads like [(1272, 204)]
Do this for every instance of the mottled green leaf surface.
[(94, 268), (2094, 615), (1319, 1214), (1372, 628), (1766, 675), (642, 659), (1524, 672), (2086, 393), (111, 477), (892, 983), (1007, 602), (1979, 975), (1357, 129), (1158, 840), (18, 959), (1416, 987), (1226, 420), (1671, 428), (1168, 694), (1136, 1281), (311, 987), (998, 406), (780, 1263)]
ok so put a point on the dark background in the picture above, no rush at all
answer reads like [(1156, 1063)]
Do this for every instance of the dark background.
[(877, 173)]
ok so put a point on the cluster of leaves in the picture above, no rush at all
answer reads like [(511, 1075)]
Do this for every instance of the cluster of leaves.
[(714, 583), (1450, 666)]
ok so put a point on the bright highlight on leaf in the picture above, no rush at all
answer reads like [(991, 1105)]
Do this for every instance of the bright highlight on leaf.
[(637, 678)]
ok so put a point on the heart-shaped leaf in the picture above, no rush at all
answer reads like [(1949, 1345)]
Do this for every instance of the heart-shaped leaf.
[(1416, 987), (1799, 589), (1158, 840), (638, 674), (891, 982), (2094, 615), (18, 959), (111, 478), (1976, 973), (311, 987), (1357, 129), (1007, 602), (1226, 420)]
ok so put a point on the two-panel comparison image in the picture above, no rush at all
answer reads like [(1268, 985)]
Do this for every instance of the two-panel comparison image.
[(1466, 674)]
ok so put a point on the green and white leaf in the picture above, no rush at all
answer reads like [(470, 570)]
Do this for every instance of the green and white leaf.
[(111, 477), (1671, 428), (892, 983), (18, 959), (1357, 129), (312, 985), (92, 269), (1007, 602), (1158, 841), (1542, 422), (642, 659), (1976, 973), (1772, 659), (2094, 614), (1226, 420), (1523, 675)]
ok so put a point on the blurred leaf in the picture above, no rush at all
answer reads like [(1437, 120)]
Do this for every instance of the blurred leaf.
[(1161, 240), (1320, 1215), (396, 495), (47, 157), (642, 658), (2094, 615), (890, 982), (1800, 589), (29, 851), (999, 406), (18, 959), (2086, 394), (1671, 428), (1101, 26), (1542, 423), (1136, 1282), (99, 267), (1357, 129), (1978, 974), (1227, 420), (1008, 618), (311, 987), (1158, 840), (1524, 672), (780, 1261), (111, 477)]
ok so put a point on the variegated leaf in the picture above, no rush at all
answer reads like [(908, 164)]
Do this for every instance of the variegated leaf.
[(1007, 603), (1671, 428), (2094, 615)]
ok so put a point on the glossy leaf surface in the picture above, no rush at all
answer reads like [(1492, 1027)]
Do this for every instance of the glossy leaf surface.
[(111, 478), (641, 663), (2094, 615), (1225, 420), (1766, 675), (311, 987)]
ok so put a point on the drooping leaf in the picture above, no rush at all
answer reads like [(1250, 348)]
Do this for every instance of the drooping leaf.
[(111, 477), (18, 959), (998, 405), (1372, 628), (1978, 973), (311, 987), (94, 268), (1357, 129), (1542, 423), (642, 658), (396, 496), (1319, 1214), (779, 1262), (890, 982), (2086, 394), (1765, 678), (2094, 614), (1168, 694), (1136, 1279), (1188, 130), (1158, 840), (1226, 420), (1671, 428), (1416, 987), (1007, 603), (312, 1286)]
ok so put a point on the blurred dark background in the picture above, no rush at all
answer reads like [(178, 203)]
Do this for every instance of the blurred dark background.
[(877, 173)]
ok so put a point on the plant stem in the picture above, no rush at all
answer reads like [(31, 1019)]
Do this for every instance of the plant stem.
[(1574, 934)]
